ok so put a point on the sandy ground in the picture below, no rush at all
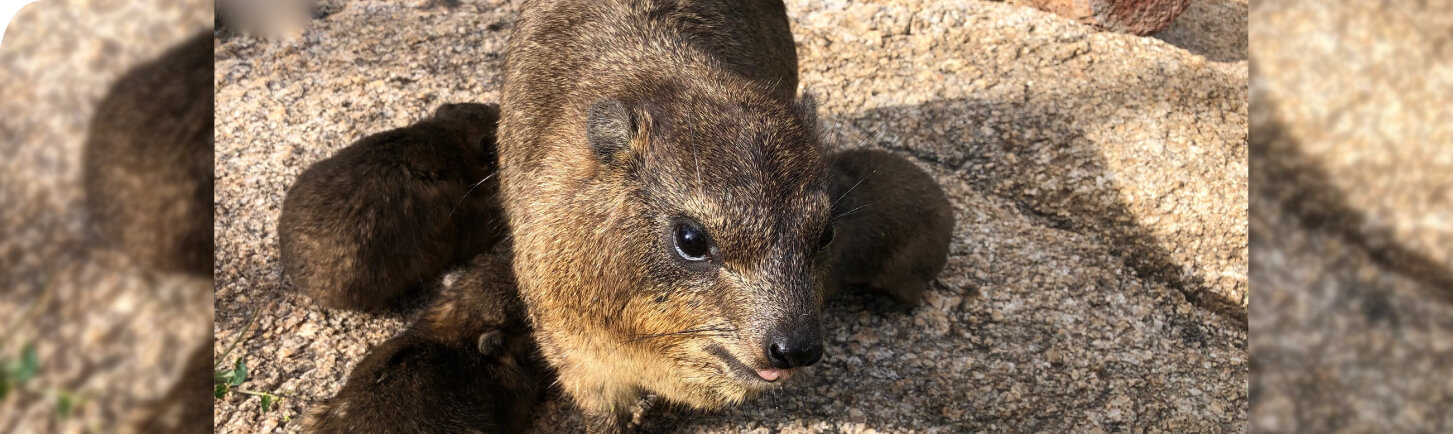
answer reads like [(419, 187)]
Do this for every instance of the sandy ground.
[(1352, 219), (1098, 273), (106, 334)]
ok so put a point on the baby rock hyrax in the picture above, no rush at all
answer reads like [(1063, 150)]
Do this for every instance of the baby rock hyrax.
[(391, 211), (667, 198), (893, 223), (468, 365), (148, 161)]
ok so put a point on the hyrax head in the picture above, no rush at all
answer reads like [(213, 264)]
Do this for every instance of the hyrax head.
[(727, 222), (477, 123)]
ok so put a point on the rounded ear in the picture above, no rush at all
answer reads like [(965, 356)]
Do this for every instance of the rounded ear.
[(807, 109), (610, 127), (490, 342)]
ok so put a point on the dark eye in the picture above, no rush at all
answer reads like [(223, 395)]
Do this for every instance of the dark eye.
[(691, 242), (826, 239)]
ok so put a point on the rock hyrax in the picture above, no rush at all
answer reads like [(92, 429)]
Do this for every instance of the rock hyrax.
[(893, 224), (391, 211), (666, 194), (148, 161), (468, 364)]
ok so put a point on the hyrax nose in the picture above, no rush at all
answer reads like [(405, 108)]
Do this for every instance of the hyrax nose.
[(794, 349)]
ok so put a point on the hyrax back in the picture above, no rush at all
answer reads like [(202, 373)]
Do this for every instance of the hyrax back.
[(148, 161), (667, 198), (894, 224), (468, 365), (391, 211)]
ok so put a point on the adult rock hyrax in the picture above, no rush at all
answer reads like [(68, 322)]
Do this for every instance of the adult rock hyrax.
[(148, 161), (392, 211), (467, 365), (666, 194), (893, 223)]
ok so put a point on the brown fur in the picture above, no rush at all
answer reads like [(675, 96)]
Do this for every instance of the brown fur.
[(893, 224), (469, 365), (621, 118), (390, 212), (148, 161)]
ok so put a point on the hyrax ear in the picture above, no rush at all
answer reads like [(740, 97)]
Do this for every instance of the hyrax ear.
[(807, 109), (612, 128)]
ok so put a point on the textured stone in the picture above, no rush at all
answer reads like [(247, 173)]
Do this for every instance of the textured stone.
[(1353, 216), (1137, 17)]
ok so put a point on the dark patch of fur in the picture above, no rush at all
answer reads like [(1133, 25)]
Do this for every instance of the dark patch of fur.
[(893, 225), (148, 161), (468, 365), (391, 211)]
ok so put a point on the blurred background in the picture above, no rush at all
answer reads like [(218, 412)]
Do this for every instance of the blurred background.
[(1351, 216), (88, 340)]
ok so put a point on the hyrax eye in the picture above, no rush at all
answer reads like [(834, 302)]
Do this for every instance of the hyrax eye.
[(826, 239), (691, 242)]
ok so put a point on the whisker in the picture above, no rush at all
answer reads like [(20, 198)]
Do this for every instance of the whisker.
[(696, 154), (851, 212), (471, 190), (684, 332), (850, 190), (882, 130)]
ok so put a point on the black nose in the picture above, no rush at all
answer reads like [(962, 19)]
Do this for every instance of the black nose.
[(794, 350)]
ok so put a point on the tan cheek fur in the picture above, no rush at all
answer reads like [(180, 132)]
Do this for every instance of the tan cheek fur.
[(607, 371)]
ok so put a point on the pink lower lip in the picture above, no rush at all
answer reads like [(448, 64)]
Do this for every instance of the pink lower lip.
[(774, 374)]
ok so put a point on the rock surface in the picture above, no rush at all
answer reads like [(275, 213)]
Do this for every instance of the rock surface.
[(1352, 217), (1098, 274), (1136, 17)]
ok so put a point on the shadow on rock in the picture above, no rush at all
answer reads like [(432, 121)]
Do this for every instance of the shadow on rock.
[(1302, 189), (1049, 171), (1345, 308), (1215, 29), (1052, 175)]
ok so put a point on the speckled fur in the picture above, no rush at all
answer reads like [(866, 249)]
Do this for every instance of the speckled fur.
[(468, 365), (390, 212), (893, 224), (148, 161), (715, 134)]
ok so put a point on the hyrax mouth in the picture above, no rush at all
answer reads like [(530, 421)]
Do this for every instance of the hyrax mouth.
[(746, 373)]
